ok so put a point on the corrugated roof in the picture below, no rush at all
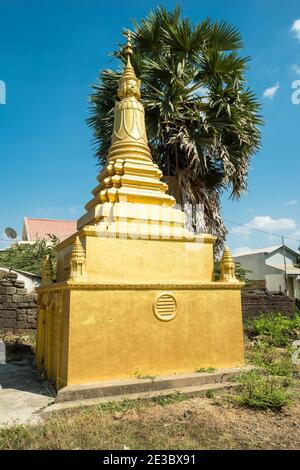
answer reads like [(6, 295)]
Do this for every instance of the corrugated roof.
[(268, 249), (40, 229), (289, 269)]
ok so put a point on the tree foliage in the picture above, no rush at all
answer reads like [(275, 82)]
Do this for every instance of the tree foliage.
[(202, 119), (29, 257)]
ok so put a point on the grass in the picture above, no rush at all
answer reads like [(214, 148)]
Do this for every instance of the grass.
[(268, 346), (277, 361), (261, 390), (276, 330), (164, 400), (102, 431), (206, 369), (140, 376)]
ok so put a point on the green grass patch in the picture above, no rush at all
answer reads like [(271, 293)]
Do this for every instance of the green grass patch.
[(277, 330), (164, 400), (261, 390), (277, 361)]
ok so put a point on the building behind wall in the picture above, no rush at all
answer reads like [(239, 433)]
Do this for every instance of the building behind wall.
[(274, 268)]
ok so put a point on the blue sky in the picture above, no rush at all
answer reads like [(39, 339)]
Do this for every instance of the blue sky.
[(51, 52)]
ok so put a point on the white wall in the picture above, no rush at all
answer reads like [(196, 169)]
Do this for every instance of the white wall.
[(296, 288), (277, 258), (30, 282), (274, 282), (254, 263)]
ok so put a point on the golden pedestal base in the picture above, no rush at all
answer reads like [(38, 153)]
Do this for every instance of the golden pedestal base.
[(142, 307)]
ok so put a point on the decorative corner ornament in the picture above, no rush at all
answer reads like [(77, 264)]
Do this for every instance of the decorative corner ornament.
[(227, 267), (47, 272), (77, 261)]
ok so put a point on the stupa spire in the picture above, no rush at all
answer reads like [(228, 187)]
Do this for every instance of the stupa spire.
[(130, 174)]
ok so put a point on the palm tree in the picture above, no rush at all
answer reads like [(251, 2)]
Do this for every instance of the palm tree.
[(202, 120)]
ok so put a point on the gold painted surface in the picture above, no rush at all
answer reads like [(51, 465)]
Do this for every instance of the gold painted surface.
[(98, 322), (130, 176), (116, 335)]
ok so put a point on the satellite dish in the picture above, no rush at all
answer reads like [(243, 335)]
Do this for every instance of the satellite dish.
[(10, 233)]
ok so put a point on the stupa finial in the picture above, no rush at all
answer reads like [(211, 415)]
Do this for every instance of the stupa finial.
[(129, 85), (128, 48)]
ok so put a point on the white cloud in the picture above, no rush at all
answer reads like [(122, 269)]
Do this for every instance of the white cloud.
[(290, 203), (296, 29), (296, 68), (242, 250), (244, 231), (265, 223), (271, 92), (296, 234)]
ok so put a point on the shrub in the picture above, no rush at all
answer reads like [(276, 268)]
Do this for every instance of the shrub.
[(276, 329), (262, 391), (275, 361)]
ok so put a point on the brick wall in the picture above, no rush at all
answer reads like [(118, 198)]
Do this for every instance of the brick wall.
[(18, 309), (256, 302)]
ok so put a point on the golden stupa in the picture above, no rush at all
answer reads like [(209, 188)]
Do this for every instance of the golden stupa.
[(135, 290)]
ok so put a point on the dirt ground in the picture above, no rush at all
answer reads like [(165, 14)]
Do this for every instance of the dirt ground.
[(196, 423), (215, 423)]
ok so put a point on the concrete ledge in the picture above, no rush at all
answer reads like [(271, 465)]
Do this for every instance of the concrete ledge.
[(200, 390), (126, 388)]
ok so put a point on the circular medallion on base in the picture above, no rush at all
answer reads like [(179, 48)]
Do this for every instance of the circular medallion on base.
[(165, 306)]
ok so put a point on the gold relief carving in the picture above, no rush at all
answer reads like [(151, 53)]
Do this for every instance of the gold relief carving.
[(165, 306), (115, 286)]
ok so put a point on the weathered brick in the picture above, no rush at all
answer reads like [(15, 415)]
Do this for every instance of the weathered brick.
[(20, 284), (21, 317), (21, 291), (7, 306), (18, 298), (31, 311), (18, 309), (11, 275), (11, 290), (5, 299), (8, 323), (31, 319), (6, 283)]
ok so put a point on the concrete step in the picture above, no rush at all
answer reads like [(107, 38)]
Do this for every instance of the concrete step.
[(188, 391), (133, 386)]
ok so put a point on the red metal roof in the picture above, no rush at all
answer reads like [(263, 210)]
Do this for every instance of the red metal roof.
[(40, 229)]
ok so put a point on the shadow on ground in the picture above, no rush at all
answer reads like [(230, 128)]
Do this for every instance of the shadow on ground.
[(22, 393)]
